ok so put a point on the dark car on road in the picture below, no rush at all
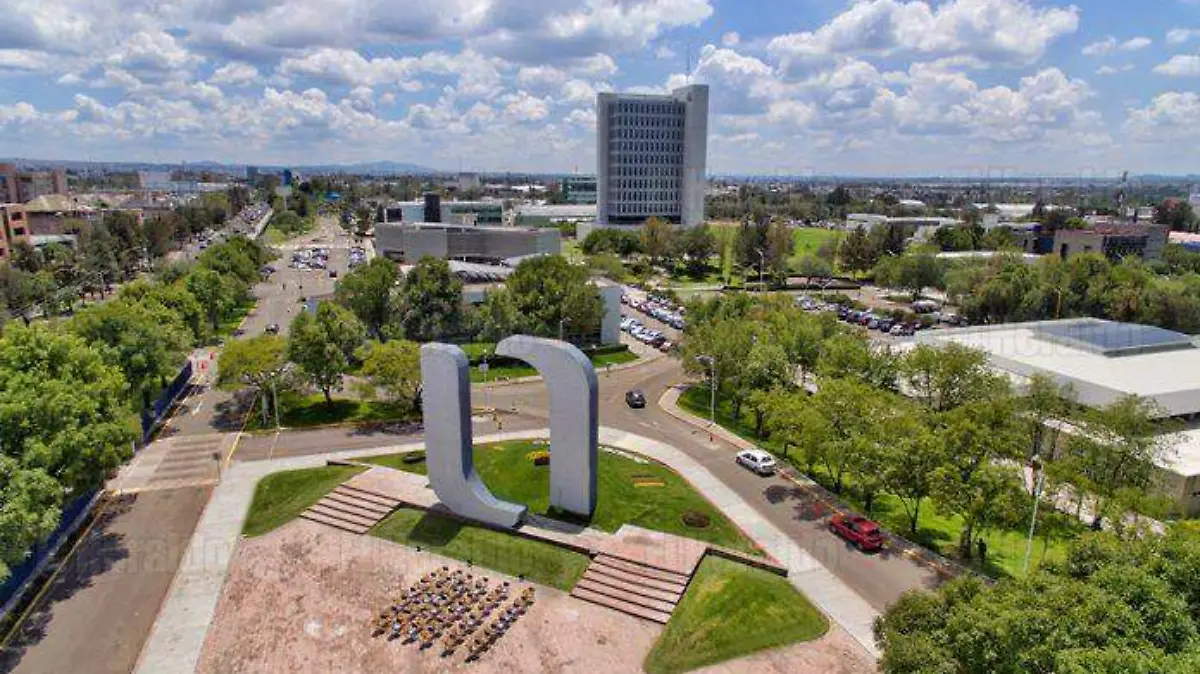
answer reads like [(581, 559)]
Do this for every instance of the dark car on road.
[(862, 532), (273, 329), (635, 399)]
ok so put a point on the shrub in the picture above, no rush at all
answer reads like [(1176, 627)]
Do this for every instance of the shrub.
[(696, 520), (540, 457)]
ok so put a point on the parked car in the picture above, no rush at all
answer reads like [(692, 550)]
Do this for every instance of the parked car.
[(886, 324), (862, 532), (757, 461), (635, 399)]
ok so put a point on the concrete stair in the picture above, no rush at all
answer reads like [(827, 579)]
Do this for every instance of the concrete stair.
[(351, 509), (631, 587)]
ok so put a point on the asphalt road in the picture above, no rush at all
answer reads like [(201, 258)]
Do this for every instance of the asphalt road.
[(99, 610)]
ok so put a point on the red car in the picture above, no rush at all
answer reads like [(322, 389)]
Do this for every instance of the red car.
[(862, 532)]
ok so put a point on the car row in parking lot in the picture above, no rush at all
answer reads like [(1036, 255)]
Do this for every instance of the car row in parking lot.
[(310, 258), (659, 308), (358, 255), (649, 336)]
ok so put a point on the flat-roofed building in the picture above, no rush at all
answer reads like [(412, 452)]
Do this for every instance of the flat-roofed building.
[(1103, 362), (23, 186), (14, 227), (409, 242), (1113, 241)]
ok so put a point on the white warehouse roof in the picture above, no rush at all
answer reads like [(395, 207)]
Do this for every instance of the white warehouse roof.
[(1103, 361)]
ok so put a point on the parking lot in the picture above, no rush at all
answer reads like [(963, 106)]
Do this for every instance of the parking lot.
[(654, 321), (925, 315)]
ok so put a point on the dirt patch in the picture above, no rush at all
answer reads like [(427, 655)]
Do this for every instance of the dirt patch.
[(302, 599)]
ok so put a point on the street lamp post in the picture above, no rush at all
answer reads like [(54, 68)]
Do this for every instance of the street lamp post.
[(762, 262), (561, 322), (1039, 482), (711, 362)]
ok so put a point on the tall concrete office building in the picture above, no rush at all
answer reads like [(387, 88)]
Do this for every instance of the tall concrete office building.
[(650, 156)]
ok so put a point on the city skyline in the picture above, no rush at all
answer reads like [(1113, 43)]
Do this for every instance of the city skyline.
[(874, 87)]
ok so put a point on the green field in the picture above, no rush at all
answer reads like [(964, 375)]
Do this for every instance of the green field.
[(306, 411), (936, 531), (659, 505), (537, 561), (280, 497), (731, 610), (807, 240)]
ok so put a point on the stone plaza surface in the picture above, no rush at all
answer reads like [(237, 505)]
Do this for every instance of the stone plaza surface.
[(178, 636), (302, 598)]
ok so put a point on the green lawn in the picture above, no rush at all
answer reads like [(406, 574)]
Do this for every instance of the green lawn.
[(231, 323), (936, 531), (281, 497), (538, 561), (731, 610), (660, 505), (501, 372), (297, 411), (808, 239)]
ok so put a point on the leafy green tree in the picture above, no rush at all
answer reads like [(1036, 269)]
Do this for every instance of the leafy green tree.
[(430, 301), (697, 245), (370, 292), (321, 344), (620, 242), (858, 252), (1176, 214), (63, 410), (913, 272), (213, 293), (30, 507), (814, 267), (148, 346), (258, 363), (393, 367), (497, 315), (657, 239), (169, 297), (853, 356), (550, 295), (915, 456), (944, 378), (844, 430)]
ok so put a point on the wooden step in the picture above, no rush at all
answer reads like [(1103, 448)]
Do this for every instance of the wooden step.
[(343, 515), (367, 495), (626, 595), (638, 588), (356, 505), (335, 523), (673, 587), (358, 499), (349, 512), (630, 608), (642, 570)]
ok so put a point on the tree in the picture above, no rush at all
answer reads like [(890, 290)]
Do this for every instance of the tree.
[(1176, 214), (369, 291), (65, 426), (620, 242), (212, 292), (321, 344), (1117, 450), (657, 239), (697, 245), (812, 266), (147, 346), (845, 430), (766, 368), (983, 439), (913, 272), (858, 252), (853, 356), (1044, 404), (551, 295), (497, 315), (944, 378), (430, 301), (1113, 606), (915, 457), (393, 367), (258, 362), (172, 297)]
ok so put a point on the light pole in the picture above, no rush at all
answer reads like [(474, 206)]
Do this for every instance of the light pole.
[(762, 262), (711, 362), (561, 322), (1039, 482)]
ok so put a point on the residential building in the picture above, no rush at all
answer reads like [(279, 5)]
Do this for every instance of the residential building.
[(23, 186), (410, 241), (651, 153), (1103, 362), (579, 189), (1113, 241), (14, 227)]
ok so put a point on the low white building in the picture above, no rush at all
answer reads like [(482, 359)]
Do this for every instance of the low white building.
[(1104, 361)]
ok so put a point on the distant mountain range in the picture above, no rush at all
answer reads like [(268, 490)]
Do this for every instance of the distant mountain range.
[(365, 168)]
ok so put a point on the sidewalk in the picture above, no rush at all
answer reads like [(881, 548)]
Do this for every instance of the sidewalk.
[(176, 641)]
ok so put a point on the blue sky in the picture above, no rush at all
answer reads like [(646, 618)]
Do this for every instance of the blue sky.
[(868, 87)]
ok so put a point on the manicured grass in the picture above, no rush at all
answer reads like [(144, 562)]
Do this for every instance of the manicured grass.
[(513, 477), (281, 497), (312, 410), (501, 372), (507, 553), (808, 239), (731, 610), (415, 463), (935, 530)]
